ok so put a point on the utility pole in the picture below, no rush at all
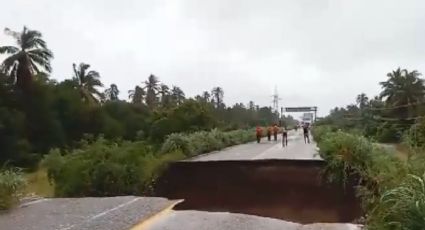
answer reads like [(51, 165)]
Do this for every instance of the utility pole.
[(276, 100)]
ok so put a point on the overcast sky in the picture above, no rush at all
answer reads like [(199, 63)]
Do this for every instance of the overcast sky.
[(316, 52)]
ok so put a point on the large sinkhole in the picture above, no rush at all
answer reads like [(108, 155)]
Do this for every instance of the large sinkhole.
[(291, 190)]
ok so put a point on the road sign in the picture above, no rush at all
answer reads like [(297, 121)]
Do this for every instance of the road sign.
[(301, 109)]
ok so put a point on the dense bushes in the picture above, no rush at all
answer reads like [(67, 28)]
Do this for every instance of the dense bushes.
[(375, 173), (108, 168), (203, 141), (11, 184)]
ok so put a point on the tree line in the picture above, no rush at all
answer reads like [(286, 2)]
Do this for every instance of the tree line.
[(389, 115), (38, 113)]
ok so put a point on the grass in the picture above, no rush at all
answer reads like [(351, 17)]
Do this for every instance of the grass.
[(38, 184)]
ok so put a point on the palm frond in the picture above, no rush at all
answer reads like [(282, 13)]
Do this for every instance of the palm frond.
[(10, 61), (8, 49), (41, 61), (34, 67), (31, 39)]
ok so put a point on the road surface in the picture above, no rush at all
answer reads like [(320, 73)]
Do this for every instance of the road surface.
[(195, 220), (111, 213), (296, 150)]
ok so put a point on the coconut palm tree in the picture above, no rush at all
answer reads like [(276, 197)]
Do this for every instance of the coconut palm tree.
[(402, 89), (137, 95), (87, 82), (177, 95), (152, 87), (112, 92), (362, 100), (28, 58), (206, 96), (218, 93)]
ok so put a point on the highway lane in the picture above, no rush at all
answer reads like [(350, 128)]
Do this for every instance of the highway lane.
[(296, 150), (195, 220)]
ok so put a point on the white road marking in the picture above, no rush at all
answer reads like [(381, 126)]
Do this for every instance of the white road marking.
[(104, 212)]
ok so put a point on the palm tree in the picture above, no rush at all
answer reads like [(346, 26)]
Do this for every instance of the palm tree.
[(402, 89), (152, 88), (28, 58), (206, 96), (112, 92), (87, 82), (177, 95), (251, 105), (137, 95), (362, 100), (218, 93)]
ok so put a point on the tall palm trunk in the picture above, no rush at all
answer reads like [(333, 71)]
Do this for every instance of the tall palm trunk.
[(24, 74)]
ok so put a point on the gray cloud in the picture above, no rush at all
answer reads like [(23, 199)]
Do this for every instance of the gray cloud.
[(317, 52)]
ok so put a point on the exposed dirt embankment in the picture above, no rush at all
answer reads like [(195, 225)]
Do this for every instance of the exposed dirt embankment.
[(285, 189)]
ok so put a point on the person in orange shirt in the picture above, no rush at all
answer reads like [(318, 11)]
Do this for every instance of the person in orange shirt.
[(269, 133), (275, 131), (259, 133)]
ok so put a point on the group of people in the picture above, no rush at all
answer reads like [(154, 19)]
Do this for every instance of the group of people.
[(274, 130)]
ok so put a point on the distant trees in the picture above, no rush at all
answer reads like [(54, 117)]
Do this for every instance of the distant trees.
[(137, 96), (28, 58), (112, 92), (385, 117), (87, 82), (362, 100), (152, 87), (217, 93), (177, 95)]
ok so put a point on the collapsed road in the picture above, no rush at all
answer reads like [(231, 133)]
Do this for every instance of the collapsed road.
[(250, 186)]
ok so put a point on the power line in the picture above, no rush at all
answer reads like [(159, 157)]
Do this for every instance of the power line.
[(397, 107)]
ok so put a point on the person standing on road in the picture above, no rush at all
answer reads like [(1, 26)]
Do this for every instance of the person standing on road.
[(275, 131), (284, 137), (259, 133), (269, 133), (306, 135)]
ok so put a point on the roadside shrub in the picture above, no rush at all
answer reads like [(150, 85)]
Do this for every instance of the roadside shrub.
[(318, 132), (370, 168), (415, 136), (345, 155), (388, 133), (402, 207), (12, 184), (105, 168), (203, 141), (177, 142)]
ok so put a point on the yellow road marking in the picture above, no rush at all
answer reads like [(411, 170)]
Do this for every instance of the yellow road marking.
[(145, 224)]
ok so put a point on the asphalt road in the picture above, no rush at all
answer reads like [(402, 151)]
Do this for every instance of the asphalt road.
[(111, 213), (195, 220), (296, 149)]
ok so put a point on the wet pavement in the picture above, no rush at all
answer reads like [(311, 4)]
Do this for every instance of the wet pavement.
[(111, 213), (296, 150), (195, 220)]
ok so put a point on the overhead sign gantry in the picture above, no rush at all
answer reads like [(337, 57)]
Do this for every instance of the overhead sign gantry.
[(300, 109)]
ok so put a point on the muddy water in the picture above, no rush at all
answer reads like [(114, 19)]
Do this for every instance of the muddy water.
[(286, 189)]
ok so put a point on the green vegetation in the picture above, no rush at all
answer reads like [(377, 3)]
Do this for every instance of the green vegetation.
[(38, 113), (390, 189), (90, 141), (11, 185), (38, 184), (109, 168), (387, 116)]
